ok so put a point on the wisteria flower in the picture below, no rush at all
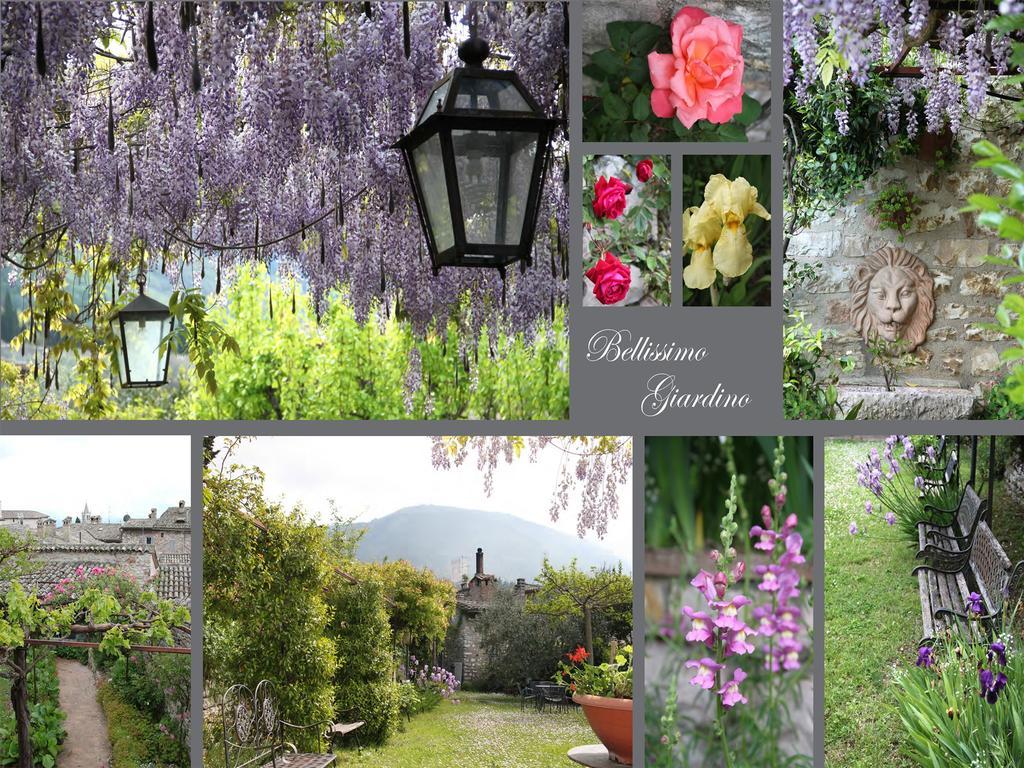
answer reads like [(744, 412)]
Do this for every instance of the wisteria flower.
[(700, 626), (730, 692), (702, 79), (706, 670)]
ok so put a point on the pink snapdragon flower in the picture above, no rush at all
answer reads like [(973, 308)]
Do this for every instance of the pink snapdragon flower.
[(701, 626), (706, 670), (730, 692)]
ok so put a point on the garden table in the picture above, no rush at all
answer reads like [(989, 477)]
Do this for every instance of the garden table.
[(593, 756)]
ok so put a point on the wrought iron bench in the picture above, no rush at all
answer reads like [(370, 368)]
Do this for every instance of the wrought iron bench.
[(946, 543), (987, 572), (936, 480), (255, 736)]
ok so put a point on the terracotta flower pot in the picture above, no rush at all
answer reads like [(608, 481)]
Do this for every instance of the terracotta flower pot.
[(612, 721)]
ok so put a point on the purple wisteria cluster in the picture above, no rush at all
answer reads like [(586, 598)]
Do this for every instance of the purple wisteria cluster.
[(257, 131), (949, 46), (775, 615), (590, 476)]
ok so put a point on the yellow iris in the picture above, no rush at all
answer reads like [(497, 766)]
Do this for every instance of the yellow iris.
[(716, 233)]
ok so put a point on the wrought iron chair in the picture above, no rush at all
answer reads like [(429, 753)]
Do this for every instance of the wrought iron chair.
[(254, 735)]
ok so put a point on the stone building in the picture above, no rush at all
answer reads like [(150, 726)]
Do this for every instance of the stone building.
[(464, 653), (25, 520), (154, 550)]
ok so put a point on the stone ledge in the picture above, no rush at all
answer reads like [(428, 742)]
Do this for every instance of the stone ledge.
[(927, 403)]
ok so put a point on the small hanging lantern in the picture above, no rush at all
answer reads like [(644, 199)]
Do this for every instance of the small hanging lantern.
[(142, 325), (476, 159)]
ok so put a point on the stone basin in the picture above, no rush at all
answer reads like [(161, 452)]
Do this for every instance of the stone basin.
[(925, 403)]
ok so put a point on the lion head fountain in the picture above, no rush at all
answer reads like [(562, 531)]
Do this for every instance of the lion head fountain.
[(893, 298)]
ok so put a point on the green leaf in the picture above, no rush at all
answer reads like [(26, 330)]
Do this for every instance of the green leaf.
[(619, 33), (644, 38), (642, 106), (615, 107), (732, 132), (608, 61), (827, 70)]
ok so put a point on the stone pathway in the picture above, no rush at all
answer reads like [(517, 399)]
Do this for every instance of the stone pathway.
[(86, 745)]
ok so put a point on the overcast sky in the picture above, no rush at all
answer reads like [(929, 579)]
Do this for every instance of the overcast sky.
[(116, 475), (369, 477)]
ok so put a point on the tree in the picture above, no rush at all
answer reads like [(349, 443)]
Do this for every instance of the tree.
[(266, 575), (99, 602), (522, 645), (419, 606), (569, 591)]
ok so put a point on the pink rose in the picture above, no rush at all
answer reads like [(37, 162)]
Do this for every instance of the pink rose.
[(610, 278), (610, 197), (702, 79), (644, 170)]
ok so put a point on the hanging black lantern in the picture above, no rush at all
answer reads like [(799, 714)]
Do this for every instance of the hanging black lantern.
[(476, 159), (141, 326)]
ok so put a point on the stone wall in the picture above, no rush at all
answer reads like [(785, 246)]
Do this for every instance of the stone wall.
[(464, 646), (958, 354), (165, 542)]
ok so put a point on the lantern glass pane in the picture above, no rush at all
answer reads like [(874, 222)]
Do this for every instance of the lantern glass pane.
[(429, 167), (494, 170), (490, 93), (142, 348), (436, 101)]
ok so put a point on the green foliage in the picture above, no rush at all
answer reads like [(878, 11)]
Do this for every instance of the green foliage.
[(203, 337), (896, 207), (364, 678), (1005, 216), (810, 375), (266, 572), (999, 405), (420, 605), (290, 367), (891, 358), (158, 686), (629, 236), (824, 165), (621, 108), (570, 592), (46, 720), (945, 719), (687, 479), (135, 739), (753, 287), (522, 645), (612, 679)]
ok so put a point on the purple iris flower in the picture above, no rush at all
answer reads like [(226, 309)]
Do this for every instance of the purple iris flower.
[(997, 651), (919, 483), (974, 603), (853, 528), (991, 684), (930, 452), (890, 518), (869, 507), (924, 657)]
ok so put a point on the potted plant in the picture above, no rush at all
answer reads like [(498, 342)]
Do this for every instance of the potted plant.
[(896, 207), (605, 693)]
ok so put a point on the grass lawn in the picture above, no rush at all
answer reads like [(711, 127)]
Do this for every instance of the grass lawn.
[(872, 620), (480, 731)]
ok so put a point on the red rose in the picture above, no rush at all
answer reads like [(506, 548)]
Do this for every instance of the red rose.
[(611, 279), (610, 197), (644, 170)]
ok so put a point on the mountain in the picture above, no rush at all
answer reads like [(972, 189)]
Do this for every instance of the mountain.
[(433, 536)]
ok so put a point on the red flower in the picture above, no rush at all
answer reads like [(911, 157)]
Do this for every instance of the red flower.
[(644, 170), (578, 656), (610, 197), (611, 279)]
